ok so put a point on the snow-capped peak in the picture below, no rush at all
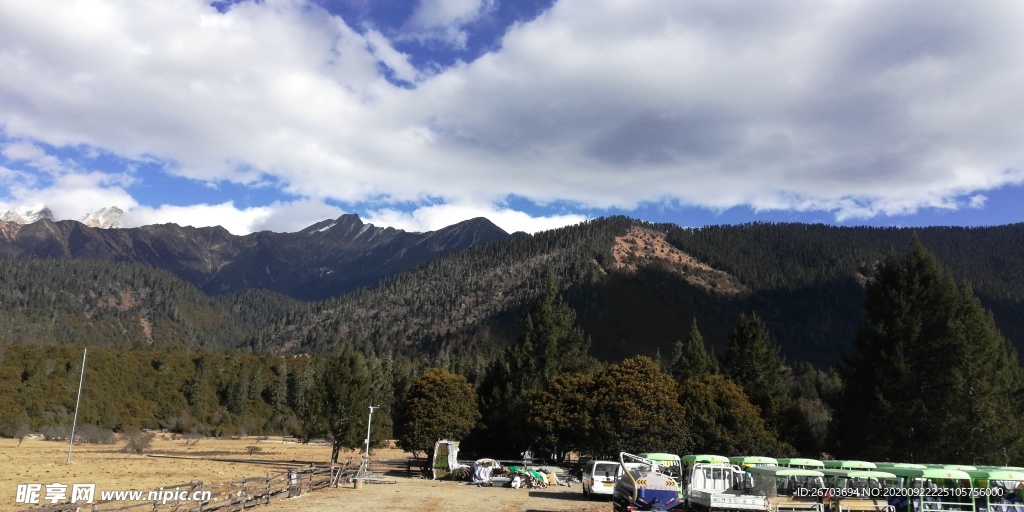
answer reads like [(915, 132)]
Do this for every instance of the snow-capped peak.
[(110, 217), (27, 214)]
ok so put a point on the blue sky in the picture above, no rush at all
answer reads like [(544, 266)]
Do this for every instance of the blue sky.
[(536, 114)]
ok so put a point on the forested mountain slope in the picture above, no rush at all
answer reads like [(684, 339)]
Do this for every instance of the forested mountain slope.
[(636, 287), (111, 304), (326, 259)]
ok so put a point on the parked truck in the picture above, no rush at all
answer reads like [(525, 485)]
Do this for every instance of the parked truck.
[(644, 485), (718, 487)]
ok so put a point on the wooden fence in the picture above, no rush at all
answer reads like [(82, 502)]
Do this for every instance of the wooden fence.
[(224, 497)]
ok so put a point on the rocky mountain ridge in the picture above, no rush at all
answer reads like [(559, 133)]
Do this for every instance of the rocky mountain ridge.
[(326, 259)]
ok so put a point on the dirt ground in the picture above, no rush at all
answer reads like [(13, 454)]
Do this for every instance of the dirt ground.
[(172, 461), (408, 494)]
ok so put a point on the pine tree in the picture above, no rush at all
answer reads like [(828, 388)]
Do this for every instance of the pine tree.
[(551, 344), (752, 360), (931, 379), (691, 359), (336, 400)]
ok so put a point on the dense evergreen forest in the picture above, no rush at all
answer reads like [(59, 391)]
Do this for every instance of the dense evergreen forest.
[(165, 355), (190, 392), (98, 303), (806, 281)]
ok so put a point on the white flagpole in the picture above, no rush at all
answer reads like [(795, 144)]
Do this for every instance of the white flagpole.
[(74, 423)]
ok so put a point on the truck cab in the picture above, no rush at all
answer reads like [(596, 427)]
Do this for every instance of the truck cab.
[(711, 484), (644, 486)]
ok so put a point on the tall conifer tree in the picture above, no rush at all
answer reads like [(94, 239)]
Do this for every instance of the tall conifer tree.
[(753, 361), (691, 359), (336, 400), (551, 344), (931, 378)]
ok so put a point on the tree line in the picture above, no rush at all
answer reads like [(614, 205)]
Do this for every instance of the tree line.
[(930, 379), (804, 281)]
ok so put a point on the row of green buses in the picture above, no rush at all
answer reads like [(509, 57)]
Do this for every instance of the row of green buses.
[(799, 484)]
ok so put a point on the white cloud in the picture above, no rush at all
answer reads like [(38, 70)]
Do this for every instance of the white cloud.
[(855, 108), (20, 151), (287, 217), (434, 217), (396, 61), (444, 19), (74, 194), (31, 154), (236, 221)]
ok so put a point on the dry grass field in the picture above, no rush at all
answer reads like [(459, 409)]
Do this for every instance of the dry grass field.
[(172, 461)]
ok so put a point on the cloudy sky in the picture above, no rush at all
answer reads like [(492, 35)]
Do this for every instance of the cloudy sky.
[(417, 114)]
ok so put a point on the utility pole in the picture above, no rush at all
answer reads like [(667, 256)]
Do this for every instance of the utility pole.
[(369, 423), (74, 423), (366, 459)]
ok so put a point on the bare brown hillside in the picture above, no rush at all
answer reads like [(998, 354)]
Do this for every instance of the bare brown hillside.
[(639, 247)]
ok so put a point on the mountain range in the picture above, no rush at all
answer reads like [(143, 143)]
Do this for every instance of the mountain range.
[(461, 292), (326, 259)]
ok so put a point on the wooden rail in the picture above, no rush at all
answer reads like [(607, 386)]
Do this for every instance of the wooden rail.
[(224, 496)]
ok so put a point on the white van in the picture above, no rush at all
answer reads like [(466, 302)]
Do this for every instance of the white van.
[(599, 477)]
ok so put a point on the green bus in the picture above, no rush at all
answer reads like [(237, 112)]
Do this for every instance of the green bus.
[(999, 490), (787, 489), (960, 467), (931, 489), (749, 461), (861, 490), (849, 464), (669, 462), (899, 465), (801, 463), (689, 460)]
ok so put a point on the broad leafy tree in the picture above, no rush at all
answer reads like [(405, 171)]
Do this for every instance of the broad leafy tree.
[(931, 378), (559, 414), (336, 401), (439, 405), (636, 409), (721, 419)]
